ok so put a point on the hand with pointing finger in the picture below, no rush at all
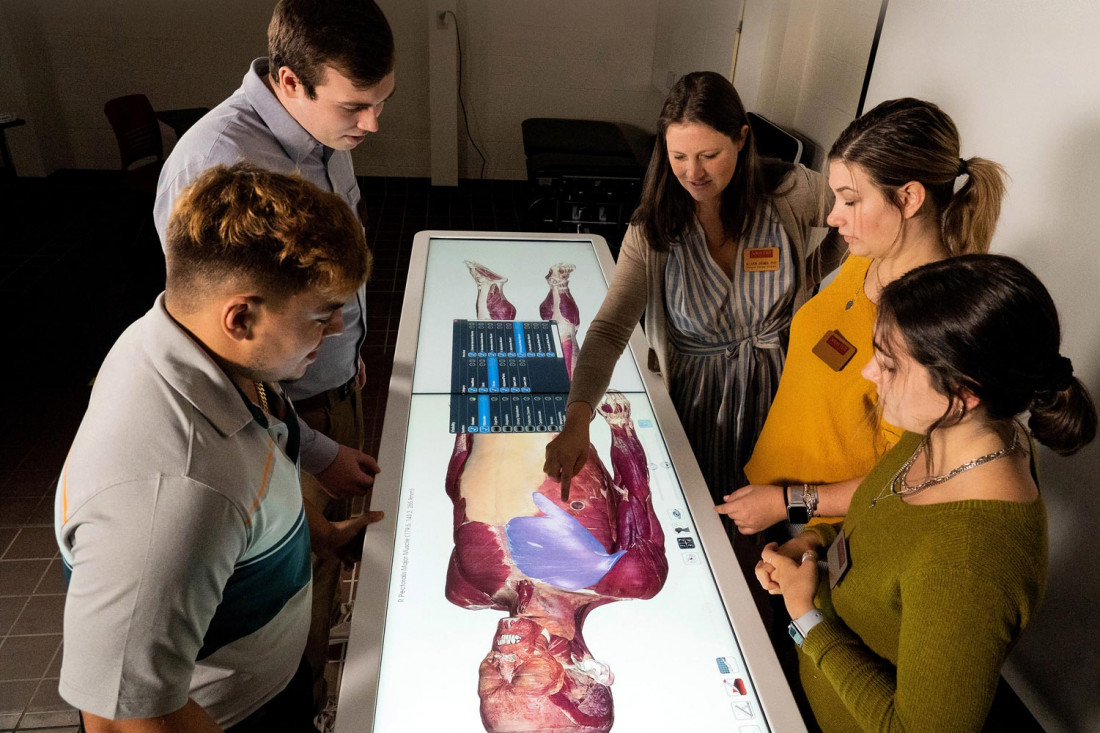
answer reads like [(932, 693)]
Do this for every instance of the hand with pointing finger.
[(566, 454)]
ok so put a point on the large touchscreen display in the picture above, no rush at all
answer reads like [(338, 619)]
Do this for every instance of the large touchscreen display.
[(511, 608)]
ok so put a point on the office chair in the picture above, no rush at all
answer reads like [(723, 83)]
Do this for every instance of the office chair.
[(139, 142)]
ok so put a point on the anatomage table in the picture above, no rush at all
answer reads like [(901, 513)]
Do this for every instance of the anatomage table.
[(486, 601)]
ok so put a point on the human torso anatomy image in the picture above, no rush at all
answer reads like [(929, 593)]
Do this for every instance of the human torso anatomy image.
[(546, 562)]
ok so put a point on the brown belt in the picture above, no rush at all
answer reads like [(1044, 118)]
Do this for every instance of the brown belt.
[(328, 399)]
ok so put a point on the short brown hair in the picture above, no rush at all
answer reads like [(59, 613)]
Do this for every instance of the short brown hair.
[(352, 36), (280, 232)]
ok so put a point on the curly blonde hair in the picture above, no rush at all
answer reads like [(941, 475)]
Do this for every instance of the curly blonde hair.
[(280, 233)]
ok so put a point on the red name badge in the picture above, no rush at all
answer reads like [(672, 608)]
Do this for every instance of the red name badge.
[(834, 350), (761, 259)]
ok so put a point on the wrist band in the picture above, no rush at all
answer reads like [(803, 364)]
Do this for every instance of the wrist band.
[(809, 492), (801, 626)]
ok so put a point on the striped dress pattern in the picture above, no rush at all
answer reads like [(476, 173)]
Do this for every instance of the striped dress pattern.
[(729, 340)]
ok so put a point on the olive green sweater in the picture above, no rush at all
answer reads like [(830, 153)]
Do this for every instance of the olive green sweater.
[(933, 601)]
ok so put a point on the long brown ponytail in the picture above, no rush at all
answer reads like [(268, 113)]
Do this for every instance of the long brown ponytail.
[(905, 140)]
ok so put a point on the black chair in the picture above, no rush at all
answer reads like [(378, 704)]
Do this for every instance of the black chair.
[(773, 141), (584, 175)]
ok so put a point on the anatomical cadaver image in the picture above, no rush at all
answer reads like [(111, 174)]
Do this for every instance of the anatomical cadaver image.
[(547, 563)]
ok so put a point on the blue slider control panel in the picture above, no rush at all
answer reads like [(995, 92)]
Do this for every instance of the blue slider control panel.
[(507, 376)]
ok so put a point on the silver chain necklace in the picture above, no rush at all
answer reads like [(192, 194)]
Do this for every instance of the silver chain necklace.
[(901, 476)]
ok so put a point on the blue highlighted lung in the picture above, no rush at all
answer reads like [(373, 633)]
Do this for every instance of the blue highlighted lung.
[(556, 548)]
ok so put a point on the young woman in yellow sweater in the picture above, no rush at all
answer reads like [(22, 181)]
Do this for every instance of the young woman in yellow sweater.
[(894, 172), (945, 541)]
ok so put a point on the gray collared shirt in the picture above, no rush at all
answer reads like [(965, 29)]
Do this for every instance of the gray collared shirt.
[(253, 126)]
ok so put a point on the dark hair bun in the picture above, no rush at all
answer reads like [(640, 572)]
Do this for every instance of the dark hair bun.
[(1063, 418), (967, 319)]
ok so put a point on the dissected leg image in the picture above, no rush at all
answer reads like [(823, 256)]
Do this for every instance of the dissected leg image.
[(491, 303), (560, 307), (545, 562)]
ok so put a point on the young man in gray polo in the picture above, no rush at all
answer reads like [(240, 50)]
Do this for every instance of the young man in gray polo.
[(179, 510), (318, 93)]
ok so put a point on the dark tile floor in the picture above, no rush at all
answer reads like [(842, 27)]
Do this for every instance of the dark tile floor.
[(80, 262)]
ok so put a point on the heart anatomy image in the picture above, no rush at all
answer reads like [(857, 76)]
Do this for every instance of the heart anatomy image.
[(548, 563)]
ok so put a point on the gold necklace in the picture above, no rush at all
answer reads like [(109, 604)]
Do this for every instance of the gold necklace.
[(860, 287), (901, 476), (262, 394)]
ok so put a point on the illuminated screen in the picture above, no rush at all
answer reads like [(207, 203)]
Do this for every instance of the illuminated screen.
[(510, 609)]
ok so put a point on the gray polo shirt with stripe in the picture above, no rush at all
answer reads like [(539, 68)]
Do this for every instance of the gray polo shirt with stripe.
[(253, 126), (180, 520)]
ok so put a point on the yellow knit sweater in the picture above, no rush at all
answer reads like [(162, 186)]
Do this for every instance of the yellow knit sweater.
[(823, 426), (935, 597)]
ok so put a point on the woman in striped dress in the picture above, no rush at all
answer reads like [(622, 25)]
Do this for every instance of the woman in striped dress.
[(718, 256)]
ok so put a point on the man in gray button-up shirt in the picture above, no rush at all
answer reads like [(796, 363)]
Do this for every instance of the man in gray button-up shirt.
[(328, 73), (292, 120)]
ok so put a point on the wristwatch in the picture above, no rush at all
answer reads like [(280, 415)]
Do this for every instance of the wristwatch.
[(799, 627), (798, 512)]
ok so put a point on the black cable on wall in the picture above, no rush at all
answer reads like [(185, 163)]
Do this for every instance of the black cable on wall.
[(461, 101)]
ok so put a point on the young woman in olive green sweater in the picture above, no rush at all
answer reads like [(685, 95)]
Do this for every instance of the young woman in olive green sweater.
[(946, 537)]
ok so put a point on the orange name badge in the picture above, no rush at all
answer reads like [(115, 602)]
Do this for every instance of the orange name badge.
[(834, 350), (761, 259)]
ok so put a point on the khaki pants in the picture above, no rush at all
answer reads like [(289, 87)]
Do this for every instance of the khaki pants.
[(343, 422)]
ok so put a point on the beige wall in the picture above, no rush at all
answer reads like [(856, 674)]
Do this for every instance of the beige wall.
[(553, 58), (401, 147), (74, 56), (524, 58), (697, 35), (802, 63), (21, 141), (836, 64), (521, 58)]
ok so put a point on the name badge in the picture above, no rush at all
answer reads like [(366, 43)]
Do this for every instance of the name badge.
[(834, 350), (761, 259), (837, 559)]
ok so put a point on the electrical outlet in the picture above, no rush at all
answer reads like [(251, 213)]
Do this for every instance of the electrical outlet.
[(441, 20), (670, 79)]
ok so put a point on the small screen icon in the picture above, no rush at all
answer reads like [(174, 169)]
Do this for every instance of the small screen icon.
[(727, 665), (742, 710), (735, 686)]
